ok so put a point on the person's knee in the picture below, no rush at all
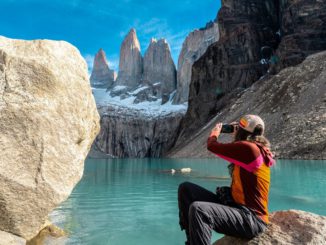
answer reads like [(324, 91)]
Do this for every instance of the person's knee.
[(194, 209), (184, 187), (198, 211)]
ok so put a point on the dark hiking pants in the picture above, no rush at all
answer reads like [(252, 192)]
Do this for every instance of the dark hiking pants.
[(200, 212)]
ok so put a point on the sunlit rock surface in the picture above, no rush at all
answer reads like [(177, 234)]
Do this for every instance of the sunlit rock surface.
[(48, 120), (131, 61), (10, 239)]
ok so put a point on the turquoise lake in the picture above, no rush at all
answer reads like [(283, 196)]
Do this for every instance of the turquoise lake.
[(134, 201)]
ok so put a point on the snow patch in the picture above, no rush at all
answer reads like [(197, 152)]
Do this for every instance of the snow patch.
[(146, 108), (139, 90), (118, 88)]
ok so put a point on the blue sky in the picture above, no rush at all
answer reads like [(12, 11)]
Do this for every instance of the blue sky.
[(94, 24)]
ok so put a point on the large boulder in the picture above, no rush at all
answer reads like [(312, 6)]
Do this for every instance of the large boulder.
[(10, 239), (287, 228), (48, 121)]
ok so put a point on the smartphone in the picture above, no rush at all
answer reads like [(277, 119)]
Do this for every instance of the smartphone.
[(227, 128)]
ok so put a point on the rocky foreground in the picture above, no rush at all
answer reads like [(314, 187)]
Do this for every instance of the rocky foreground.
[(293, 105), (48, 121), (287, 228)]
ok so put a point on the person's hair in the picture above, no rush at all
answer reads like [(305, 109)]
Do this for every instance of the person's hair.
[(256, 136)]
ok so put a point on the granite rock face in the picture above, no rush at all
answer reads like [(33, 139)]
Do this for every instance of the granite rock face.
[(246, 29), (292, 104), (48, 120), (290, 227), (128, 133), (193, 48), (131, 62), (233, 61), (143, 84), (159, 66), (148, 79), (102, 76), (303, 30)]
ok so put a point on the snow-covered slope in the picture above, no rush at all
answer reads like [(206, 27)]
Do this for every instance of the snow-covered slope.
[(142, 109), (131, 127)]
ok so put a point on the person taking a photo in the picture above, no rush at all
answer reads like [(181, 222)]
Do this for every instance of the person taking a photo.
[(240, 210)]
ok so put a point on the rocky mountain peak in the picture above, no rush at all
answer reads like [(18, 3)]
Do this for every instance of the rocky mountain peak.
[(132, 31), (153, 40), (159, 66), (101, 55), (130, 65), (102, 76), (193, 48), (132, 39), (100, 60)]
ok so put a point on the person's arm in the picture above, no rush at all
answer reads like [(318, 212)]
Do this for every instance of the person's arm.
[(238, 153), (227, 150)]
